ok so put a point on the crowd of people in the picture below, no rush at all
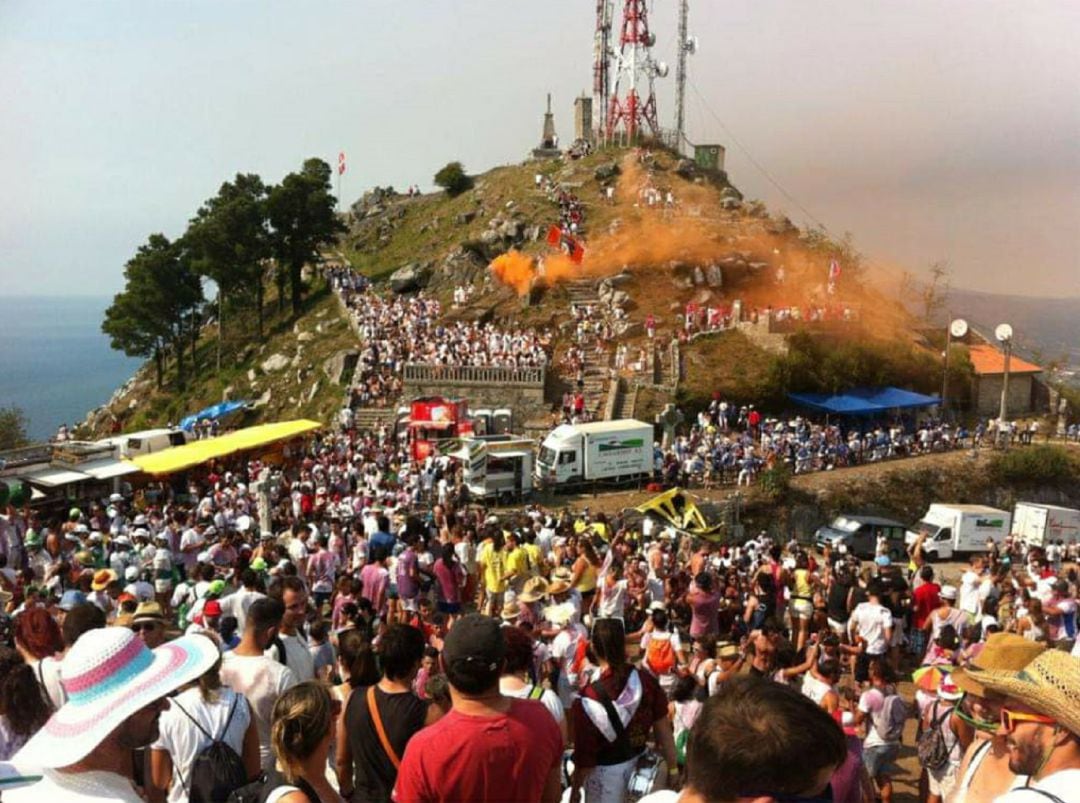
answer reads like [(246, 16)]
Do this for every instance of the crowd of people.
[(341, 624), (399, 330)]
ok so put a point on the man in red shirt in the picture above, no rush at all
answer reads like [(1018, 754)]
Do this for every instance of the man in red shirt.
[(489, 747), (925, 600)]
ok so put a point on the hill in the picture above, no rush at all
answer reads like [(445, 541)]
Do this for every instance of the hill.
[(772, 308)]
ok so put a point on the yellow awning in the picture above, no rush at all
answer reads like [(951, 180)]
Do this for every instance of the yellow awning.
[(179, 458)]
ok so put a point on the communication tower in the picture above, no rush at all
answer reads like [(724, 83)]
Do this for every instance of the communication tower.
[(631, 107), (687, 47)]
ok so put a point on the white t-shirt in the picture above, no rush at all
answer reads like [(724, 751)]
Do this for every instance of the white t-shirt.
[(612, 599), (261, 680), (297, 656), (238, 604), (549, 699), (180, 737), (871, 703), (870, 621), (1063, 784)]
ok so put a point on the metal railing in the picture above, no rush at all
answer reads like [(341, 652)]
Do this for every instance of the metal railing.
[(474, 374)]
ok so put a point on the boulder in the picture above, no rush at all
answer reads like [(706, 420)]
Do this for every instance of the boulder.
[(619, 298), (251, 375), (228, 393), (490, 237), (339, 367), (274, 362), (532, 233), (305, 337), (714, 277), (313, 391), (686, 168), (606, 171), (409, 278), (730, 204), (464, 218), (698, 275), (511, 230)]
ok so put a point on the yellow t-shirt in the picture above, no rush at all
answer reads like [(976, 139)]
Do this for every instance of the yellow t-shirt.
[(494, 565), (587, 581), (517, 563), (535, 558)]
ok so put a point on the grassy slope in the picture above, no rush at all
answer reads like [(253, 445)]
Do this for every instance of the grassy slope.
[(290, 387)]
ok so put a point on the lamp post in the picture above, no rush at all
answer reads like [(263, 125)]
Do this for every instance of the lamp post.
[(958, 328), (1004, 334)]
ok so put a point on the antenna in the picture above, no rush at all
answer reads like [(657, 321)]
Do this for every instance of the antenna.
[(687, 46), (634, 67)]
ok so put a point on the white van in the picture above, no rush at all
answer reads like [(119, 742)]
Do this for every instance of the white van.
[(959, 529)]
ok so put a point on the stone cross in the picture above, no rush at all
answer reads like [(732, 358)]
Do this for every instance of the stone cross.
[(669, 418)]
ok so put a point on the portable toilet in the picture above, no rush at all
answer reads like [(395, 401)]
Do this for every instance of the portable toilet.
[(482, 424), (502, 421)]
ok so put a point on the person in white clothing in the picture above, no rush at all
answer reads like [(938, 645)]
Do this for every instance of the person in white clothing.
[(872, 623), (237, 604), (203, 713), (293, 596), (515, 680), (260, 679)]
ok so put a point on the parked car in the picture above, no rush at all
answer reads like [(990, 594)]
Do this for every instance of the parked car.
[(860, 534)]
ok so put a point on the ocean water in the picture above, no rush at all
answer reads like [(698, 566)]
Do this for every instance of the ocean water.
[(55, 363)]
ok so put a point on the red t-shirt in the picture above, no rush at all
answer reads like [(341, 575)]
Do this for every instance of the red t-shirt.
[(925, 601), (501, 758)]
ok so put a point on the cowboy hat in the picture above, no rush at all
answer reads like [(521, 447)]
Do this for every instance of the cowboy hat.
[(108, 678), (510, 612), (534, 589), (1004, 652), (102, 579), (1050, 685)]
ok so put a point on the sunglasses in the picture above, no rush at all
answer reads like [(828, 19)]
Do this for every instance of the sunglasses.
[(147, 626), (1009, 719)]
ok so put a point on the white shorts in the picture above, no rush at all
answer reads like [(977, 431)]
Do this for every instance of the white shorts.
[(802, 609)]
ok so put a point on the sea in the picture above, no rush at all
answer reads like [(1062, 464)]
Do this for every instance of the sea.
[(55, 362)]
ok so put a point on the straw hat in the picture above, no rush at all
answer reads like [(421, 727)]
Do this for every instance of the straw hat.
[(510, 611), (558, 587), (727, 650), (102, 578), (562, 573), (107, 679), (1050, 685), (1004, 652), (148, 612), (534, 589)]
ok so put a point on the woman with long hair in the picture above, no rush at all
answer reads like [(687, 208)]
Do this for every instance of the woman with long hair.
[(302, 725), (41, 644), (585, 572), (203, 712), (450, 581), (606, 748), (356, 667), (24, 708)]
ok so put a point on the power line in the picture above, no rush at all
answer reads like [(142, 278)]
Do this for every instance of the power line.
[(754, 161)]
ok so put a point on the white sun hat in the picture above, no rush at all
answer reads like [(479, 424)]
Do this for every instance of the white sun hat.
[(107, 678)]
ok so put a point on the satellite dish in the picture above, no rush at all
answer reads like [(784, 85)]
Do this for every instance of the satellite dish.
[(691, 44), (662, 69), (958, 328), (650, 39), (1003, 332)]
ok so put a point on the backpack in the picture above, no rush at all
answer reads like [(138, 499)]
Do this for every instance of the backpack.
[(218, 769), (279, 645), (268, 782), (660, 656), (889, 722), (535, 693), (931, 747)]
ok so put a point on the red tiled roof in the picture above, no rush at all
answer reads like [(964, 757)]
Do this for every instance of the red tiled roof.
[(988, 360)]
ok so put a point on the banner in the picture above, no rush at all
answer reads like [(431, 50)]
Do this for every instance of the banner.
[(679, 511)]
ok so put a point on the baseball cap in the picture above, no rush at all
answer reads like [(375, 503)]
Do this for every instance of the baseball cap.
[(475, 639)]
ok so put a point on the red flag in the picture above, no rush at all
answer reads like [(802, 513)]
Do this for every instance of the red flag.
[(341, 162), (554, 235)]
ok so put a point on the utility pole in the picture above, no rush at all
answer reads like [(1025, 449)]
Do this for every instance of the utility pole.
[(680, 75), (1004, 335)]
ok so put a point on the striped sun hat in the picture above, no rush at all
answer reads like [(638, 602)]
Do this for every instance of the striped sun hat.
[(109, 675)]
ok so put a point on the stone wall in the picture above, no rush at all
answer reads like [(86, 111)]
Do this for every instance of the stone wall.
[(988, 394), (520, 390)]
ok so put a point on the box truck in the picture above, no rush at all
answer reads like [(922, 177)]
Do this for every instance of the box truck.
[(600, 451), (1038, 525), (955, 529)]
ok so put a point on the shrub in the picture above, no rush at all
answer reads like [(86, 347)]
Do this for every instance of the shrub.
[(1035, 465), (453, 179), (776, 481)]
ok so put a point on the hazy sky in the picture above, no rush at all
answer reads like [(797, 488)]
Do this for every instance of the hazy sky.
[(930, 129)]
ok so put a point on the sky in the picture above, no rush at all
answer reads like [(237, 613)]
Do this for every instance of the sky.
[(929, 129)]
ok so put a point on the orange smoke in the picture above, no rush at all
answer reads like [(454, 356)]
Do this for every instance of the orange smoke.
[(514, 269)]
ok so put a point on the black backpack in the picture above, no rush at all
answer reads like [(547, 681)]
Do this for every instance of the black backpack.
[(218, 769), (262, 787)]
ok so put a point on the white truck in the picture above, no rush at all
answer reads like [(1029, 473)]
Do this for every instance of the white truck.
[(1037, 525), (600, 451), (499, 468), (954, 529)]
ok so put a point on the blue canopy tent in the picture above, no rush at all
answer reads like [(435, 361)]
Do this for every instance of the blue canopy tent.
[(864, 401), (213, 413)]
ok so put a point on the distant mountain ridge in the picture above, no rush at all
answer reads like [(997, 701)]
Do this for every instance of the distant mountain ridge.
[(1045, 328)]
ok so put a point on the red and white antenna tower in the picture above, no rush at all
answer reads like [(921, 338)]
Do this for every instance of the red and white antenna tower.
[(632, 104)]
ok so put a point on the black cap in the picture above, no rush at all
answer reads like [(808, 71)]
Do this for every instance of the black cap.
[(474, 638)]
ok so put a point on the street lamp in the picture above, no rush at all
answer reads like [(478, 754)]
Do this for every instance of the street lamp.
[(1004, 334), (958, 328)]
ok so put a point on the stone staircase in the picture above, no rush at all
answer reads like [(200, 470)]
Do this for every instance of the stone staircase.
[(625, 399), (583, 292)]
